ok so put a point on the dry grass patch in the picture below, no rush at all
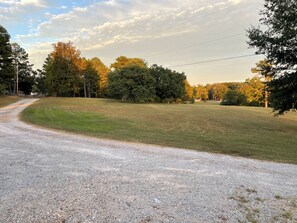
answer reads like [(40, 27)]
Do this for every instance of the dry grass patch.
[(6, 100)]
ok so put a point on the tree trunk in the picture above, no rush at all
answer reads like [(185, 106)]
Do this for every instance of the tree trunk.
[(89, 89), (266, 99), (85, 90)]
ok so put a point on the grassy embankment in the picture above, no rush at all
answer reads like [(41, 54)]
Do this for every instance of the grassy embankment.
[(6, 100), (241, 131)]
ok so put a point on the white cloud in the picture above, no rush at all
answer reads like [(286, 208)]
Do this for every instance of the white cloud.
[(16, 3), (131, 21), (32, 2), (138, 27), (8, 2), (14, 11)]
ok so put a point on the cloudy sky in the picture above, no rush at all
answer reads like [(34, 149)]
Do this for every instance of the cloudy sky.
[(179, 34)]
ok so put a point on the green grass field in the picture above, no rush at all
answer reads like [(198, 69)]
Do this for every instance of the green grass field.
[(8, 100), (242, 131)]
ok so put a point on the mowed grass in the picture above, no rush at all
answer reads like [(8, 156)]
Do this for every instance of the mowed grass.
[(241, 131), (6, 100)]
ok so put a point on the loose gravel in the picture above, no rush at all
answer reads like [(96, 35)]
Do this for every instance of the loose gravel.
[(50, 176)]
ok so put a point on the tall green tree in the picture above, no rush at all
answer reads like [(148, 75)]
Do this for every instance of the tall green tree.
[(39, 86), (63, 68), (234, 97), (131, 83), (24, 77), (7, 71), (90, 79), (170, 85), (276, 39)]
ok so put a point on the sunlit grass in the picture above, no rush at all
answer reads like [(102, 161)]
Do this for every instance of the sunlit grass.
[(241, 131), (6, 100)]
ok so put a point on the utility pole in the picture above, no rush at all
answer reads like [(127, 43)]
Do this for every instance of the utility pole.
[(85, 90), (17, 78)]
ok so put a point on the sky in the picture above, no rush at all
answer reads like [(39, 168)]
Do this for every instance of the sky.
[(178, 34)]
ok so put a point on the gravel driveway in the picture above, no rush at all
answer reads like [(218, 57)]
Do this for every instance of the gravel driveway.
[(49, 176)]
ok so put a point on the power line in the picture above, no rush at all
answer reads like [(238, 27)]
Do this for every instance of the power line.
[(215, 60), (195, 44)]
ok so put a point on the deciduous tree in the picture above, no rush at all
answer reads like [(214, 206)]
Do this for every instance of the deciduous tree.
[(189, 91), (276, 39), (132, 83), (123, 61), (63, 69), (219, 90), (102, 71), (264, 69), (170, 85), (201, 92), (253, 90)]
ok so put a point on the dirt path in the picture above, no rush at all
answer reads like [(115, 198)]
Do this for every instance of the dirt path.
[(47, 176)]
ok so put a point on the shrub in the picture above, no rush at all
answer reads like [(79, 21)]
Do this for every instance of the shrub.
[(234, 97)]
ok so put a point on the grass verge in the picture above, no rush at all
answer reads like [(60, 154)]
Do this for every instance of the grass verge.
[(241, 131), (6, 100)]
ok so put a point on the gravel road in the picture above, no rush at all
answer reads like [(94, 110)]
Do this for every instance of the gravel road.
[(49, 176)]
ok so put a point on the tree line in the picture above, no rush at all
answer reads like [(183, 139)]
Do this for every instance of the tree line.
[(251, 92), (66, 73), (16, 71)]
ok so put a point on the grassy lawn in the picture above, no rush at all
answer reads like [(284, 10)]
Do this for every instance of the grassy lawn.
[(6, 100), (241, 131)]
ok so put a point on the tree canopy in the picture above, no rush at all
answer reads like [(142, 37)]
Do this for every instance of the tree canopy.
[(102, 71), (142, 84), (63, 69), (131, 83), (264, 69), (24, 69), (250, 92), (123, 61), (276, 39), (170, 85), (90, 78), (7, 71)]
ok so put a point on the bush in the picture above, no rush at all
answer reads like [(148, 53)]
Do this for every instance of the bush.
[(234, 97)]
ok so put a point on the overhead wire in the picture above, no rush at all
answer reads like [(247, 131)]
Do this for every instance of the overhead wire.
[(202, 43), (213, 60), (195, 44)]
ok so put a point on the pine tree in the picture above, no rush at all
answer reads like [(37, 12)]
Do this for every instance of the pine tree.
[(24, 78), (6, 66)]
